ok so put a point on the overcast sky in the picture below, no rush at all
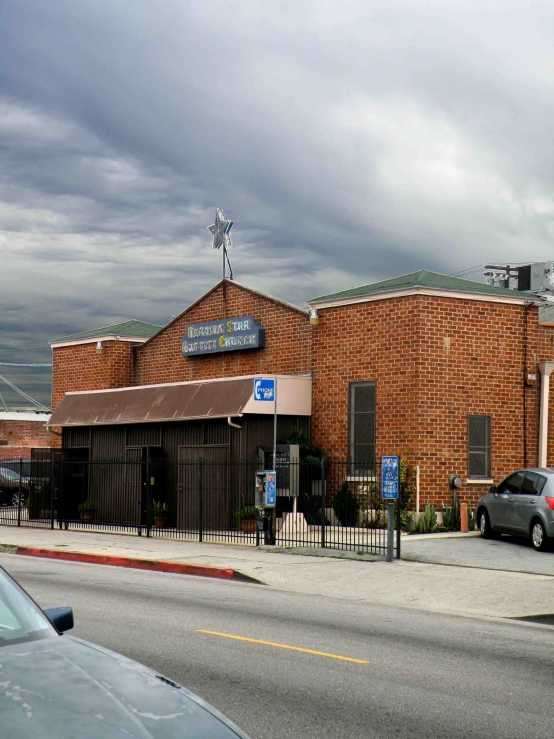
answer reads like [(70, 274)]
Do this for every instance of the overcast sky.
[(349, 141)]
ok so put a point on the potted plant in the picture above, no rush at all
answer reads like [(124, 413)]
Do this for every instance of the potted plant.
[(87, 509), (160, 512), (247, 516)]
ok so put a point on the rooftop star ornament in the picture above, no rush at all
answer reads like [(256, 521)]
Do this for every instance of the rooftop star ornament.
[(220, 230)]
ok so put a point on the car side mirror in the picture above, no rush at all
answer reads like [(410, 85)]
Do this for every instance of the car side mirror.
[(493, 490), (60, 617)]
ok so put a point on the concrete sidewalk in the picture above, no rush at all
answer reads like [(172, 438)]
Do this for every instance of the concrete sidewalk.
[(460, 590)]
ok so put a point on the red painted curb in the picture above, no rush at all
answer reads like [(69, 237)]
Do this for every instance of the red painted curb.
[(137, 564)]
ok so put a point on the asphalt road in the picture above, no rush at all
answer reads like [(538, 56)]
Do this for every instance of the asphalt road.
[(416, 674)]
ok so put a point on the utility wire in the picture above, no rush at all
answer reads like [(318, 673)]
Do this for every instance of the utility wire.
[(27, 349), (20, 364), (27, 397), (478, 267)]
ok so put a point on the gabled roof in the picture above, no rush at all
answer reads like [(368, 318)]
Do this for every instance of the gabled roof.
[(234, 283), (128, 329), (424, 279)]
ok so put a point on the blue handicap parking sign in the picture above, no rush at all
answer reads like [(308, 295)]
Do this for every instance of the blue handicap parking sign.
[(389, 477)]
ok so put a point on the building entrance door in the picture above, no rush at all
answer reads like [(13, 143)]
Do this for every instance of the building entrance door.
[(144, 481), (74, 482)]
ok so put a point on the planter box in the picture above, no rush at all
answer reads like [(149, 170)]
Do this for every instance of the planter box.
[(248, 525)]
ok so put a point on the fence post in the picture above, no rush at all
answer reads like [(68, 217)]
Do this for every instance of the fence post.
[(58, 494), (200, 497), (390, 530), (19, 492), (399, 519), (148, 494), (52, 496), (323, 502)]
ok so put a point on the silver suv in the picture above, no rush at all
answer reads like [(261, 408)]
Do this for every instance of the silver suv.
[(523, 504)]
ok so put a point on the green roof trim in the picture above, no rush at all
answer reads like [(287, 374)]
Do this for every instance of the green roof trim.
[(423, 278), (133, 329)]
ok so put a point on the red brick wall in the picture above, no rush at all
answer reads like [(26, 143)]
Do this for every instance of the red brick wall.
[(13, 452), (435, 360), (81, 367), (287, 341), (22, 436)]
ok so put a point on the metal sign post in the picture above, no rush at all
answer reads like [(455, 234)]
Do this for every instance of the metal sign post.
[(275, 426), (266, 390), (389, 490)]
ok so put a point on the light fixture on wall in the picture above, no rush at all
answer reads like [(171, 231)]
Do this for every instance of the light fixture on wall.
[(314, 317), (99, 347)]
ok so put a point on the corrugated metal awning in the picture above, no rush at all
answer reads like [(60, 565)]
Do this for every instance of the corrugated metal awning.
[(178, 402)]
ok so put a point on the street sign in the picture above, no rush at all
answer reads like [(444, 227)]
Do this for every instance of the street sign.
[(389, 478), (264, 389), (270, 488)]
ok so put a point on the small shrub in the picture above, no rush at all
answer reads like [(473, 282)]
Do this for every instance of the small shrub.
[(159, 508), (346, 506), (451, 516), (247, 513), (374, 519), (88, 507), (426, 523), (406, 476), (315, 518)]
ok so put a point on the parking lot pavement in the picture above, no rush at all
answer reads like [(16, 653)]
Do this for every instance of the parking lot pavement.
[(507, 553)]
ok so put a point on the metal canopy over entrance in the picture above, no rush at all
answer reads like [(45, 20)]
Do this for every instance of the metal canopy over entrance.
[(180, 401)]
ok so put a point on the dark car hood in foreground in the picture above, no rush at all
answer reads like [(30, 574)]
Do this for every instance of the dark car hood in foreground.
[(63, 687)]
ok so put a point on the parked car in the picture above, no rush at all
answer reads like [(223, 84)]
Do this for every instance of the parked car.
[(58, 686), (12, 486), (18, 465), (523, 504), (38, 471)]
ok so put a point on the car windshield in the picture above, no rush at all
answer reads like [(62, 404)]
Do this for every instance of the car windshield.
[(21, 620), (8, 474)]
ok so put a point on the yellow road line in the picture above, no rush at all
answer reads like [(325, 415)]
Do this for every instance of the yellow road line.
[(284, 646)]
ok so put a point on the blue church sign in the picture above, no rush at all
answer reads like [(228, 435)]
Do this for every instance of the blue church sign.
[(226, 335)]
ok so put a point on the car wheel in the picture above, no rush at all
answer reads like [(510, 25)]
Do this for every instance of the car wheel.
[(16, 497), (539, 539), (484, 524)]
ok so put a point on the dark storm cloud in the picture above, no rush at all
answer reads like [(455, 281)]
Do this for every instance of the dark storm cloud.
[(349, 141)]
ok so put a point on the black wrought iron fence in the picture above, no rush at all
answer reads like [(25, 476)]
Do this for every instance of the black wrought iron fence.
[(321, 503), (27, 488)]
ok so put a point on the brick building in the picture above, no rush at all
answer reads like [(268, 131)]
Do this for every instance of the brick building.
[(21, 431), (450, 373)]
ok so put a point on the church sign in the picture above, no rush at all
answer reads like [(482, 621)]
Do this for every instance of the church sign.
[(225, 335)]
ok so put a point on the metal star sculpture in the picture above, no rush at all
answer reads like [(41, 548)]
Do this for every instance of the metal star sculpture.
[(220, 230)]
